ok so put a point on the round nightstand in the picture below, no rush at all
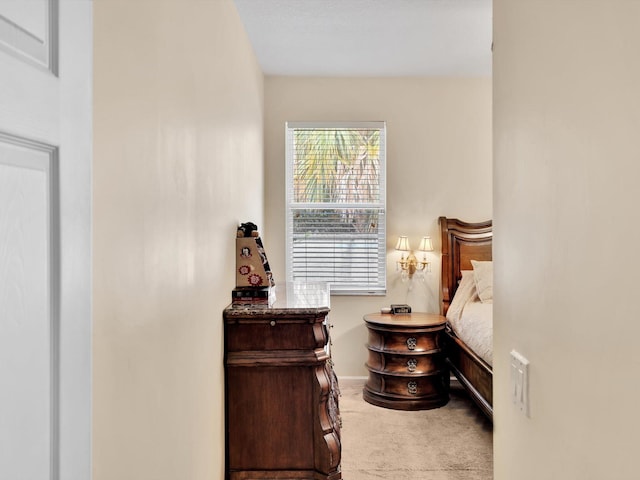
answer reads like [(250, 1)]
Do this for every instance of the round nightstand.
[(406, 363)]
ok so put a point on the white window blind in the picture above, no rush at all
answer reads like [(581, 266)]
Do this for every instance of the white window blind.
[(335, 205)]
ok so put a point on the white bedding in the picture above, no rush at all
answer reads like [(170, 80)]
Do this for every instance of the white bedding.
[(472, 320)]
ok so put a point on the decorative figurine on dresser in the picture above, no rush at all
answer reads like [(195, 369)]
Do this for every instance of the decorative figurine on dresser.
[(281, 394), (254, 280)]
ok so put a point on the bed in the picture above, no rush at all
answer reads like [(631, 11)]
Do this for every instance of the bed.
[(465, 246)]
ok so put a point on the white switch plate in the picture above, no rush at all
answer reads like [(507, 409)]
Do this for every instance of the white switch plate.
[(520, 382)]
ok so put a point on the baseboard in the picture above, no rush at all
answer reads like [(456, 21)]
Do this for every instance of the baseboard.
[(454, 382), (349, 381)]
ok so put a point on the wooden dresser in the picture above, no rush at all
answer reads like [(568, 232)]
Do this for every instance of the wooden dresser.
[(406, 363), (282, 416)]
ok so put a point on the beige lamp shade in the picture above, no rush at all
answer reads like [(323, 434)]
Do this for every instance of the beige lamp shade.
[(425, 245), (403, 244)]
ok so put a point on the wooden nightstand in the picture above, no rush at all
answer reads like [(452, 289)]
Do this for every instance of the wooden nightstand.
[(406, 364)]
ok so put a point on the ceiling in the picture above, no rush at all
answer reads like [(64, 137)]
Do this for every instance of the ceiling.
[(372, 38)]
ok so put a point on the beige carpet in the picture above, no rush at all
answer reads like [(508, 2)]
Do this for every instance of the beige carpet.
[(449, 443)]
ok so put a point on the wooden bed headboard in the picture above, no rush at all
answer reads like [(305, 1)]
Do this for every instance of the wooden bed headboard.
[(461, 243)]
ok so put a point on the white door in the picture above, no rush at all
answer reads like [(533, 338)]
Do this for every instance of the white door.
[(45, 242)]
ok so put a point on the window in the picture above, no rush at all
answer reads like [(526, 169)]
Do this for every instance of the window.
[(335, 205)]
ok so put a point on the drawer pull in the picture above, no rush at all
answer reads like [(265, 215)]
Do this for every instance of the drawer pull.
[(272, 323), (412, 343), (412, 388), (412, 364)]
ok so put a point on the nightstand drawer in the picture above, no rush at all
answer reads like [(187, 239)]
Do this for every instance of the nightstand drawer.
[(404, 342), (406, 386), (406, 392), (397, 363)]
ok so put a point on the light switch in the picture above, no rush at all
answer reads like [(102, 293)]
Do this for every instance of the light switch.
[(520, 382)]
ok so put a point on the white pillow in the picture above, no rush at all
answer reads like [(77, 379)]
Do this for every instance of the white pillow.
[(483, 276), (466, 291)]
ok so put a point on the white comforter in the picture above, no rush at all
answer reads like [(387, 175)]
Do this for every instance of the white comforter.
[(472, 320)]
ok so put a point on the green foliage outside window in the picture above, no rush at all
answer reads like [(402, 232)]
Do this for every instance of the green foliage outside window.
[(337, 167)]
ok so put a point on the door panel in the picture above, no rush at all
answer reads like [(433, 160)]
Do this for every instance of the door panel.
[(29, 296), (29, 30)]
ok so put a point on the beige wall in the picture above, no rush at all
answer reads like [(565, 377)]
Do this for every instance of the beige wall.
[(439, 163), (178, 162), (566, 116)]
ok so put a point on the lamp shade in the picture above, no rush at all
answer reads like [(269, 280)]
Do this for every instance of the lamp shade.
[(403, 244), (425, 245)]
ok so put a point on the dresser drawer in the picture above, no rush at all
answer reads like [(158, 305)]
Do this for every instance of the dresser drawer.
[(275, 334)]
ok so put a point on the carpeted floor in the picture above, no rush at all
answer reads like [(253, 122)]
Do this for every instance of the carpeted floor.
[(449, 443)]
